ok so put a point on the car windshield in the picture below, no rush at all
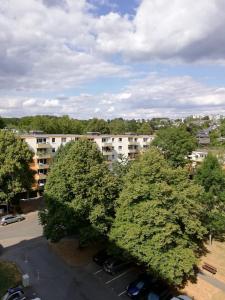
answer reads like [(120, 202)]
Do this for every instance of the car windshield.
[(140, 285)]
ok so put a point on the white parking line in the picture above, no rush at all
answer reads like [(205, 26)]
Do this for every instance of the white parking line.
[(95, 273), (107, 282), (121, 293)]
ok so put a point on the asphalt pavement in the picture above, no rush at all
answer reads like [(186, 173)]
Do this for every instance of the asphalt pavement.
[(50, 277)]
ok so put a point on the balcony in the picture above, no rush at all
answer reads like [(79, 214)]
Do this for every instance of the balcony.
[(133, 150), (43, 155), (43, 166), (41, 176), (107, 152), (107, 144), (130, 142), (43, 146)]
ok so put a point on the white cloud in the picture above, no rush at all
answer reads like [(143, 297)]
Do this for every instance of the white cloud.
[(49, 45), (186, 30), (150, 97)]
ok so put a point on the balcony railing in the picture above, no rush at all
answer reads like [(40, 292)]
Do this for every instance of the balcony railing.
[(43, 155), (43, 166), (133, 142), (133, 150), (108, 152), (107, 144), (41, 176), (43, 146)]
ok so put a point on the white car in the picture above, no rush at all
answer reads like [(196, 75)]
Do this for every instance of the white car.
[(11, 219)]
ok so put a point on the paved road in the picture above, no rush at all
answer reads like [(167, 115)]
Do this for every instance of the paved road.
[(24, 230), (50, 277)]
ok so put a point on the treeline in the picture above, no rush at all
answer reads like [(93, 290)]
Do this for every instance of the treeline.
[(67, 125)]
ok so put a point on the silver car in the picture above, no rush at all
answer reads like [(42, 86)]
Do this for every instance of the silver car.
[(11, 219)]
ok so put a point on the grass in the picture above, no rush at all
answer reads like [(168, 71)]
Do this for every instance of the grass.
[(10, 276)]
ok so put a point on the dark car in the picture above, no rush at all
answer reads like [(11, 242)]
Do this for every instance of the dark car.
[(158, 291), (113, 265), (138, 286), (14, 294), (100, 257)]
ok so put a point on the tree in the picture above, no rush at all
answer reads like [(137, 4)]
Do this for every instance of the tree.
[(97, 125), (176, 144), (145, 128), (120, 168), (117, 126), (212, 177), (2, 123), (15, 173), (158, 218), (80, 194)]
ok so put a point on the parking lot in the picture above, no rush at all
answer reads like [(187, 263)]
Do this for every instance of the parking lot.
[(116, 283)]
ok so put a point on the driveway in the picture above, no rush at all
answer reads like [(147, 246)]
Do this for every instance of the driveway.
[(50, 277)]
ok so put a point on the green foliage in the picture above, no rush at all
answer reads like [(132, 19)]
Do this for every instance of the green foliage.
[(145, 128), (97, 125), (158, 218), (176, 144), (67, 125), (80, 193), (212, 177), (120, 168), (2, 123), (10, 276), (15, 174)]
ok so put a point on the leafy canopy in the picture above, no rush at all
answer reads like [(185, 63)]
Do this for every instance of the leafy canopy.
[(212, 177), (158, 218), (176, 143), (80, 193), (15, 173)]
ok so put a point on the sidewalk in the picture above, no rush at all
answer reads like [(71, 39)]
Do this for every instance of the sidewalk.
[(213, 281)]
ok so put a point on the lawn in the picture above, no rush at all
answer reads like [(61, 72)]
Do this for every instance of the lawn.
[(10, 276)]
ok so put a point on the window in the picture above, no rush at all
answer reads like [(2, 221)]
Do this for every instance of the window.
[(103, 140), (41, 140), (145, 139), (53, 140), (53, 150), (135, 139), (120, 139), (63, 140), (120, 147), (112, 139)]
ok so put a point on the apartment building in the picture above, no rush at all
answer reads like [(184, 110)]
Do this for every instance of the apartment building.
[(113, 147)]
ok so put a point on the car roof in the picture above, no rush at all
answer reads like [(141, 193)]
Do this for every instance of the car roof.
[(6, 216)]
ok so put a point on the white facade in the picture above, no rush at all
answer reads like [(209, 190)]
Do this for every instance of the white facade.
[(113, 147)]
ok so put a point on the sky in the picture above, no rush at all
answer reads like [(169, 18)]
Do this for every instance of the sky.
[(112, 58)]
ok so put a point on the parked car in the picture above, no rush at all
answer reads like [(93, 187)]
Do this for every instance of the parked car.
[(11, 219), (101, 256), (138, 286), (181, 297), (159, 290), (16, 293), (113, 265)]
